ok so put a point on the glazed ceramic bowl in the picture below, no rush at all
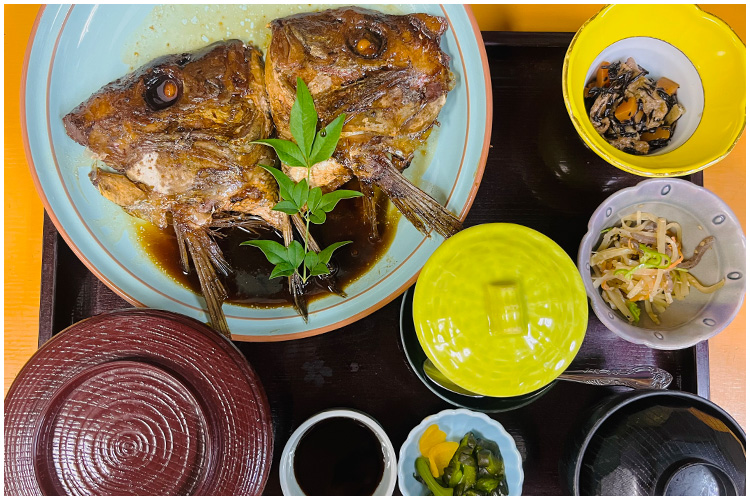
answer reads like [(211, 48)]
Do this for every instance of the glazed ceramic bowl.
[(500, 310), (456, 423), (289, 484), (700, 213), (656, 443), (681, 42)]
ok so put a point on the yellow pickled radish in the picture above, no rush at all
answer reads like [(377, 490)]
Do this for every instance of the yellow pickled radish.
[(433, 467), (440, 456), (431, 436)]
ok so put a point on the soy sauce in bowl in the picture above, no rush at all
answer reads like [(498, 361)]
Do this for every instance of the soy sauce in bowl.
[(339, 456)]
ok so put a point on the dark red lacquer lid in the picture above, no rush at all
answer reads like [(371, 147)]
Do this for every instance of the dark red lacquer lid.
[(137, 402)]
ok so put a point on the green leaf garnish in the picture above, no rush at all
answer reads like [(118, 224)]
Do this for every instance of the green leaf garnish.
[(295, 254), (283, 269), (288, 207), (313, 199), (303, 119), (326, 140), (287, 151), (311, 259), (319, 270), (300, 194), (275, 252), (329, 200), (296, 198), (317, 217), (325, 255)]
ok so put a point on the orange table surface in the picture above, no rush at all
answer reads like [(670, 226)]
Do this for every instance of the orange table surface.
[(24, 211)]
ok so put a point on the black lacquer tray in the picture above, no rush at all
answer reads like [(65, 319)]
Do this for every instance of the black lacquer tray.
[(539, 174)]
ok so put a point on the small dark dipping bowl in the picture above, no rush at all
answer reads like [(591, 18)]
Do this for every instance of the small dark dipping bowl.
[(657, 443)]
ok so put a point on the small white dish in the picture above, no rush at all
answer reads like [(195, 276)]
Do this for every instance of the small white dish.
[(700, 213), (289, 485), (455, 424)]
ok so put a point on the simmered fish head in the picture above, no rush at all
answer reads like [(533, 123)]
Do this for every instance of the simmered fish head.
[(179, 132), (386, 72), (181, 127), (390, 77), (216, 93)]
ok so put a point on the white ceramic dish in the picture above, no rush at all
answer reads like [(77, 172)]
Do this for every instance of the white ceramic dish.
[(700, 213), (456, 423), (289, 483)]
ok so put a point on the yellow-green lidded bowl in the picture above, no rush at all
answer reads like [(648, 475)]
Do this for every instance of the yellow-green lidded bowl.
[(500, 309), (696, 49)]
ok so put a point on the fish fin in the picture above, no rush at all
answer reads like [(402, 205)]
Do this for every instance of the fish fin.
[(371, 212), (184, 264), (423, 211), (296, 286), (328, 280), (207, 256), (248, 223)]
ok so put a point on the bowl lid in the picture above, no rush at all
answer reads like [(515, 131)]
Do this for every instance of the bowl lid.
[(500, 309), (137, 402)]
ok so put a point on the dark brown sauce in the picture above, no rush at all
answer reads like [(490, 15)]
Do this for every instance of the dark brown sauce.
[(248, 284), (339, 456)]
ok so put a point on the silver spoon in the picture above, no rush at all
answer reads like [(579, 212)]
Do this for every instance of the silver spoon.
[(638, 377)]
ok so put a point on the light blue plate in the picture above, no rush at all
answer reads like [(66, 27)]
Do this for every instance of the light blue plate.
[(455, 424), (75, 50)]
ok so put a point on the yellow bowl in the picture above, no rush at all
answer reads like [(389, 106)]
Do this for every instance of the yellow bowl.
[(500, 309), (685, 41)]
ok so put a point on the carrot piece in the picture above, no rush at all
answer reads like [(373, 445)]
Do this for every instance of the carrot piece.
[(602, 75), (659, 133), (627, 109), (667, 85)]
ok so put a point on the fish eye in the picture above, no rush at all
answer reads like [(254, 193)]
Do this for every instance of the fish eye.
[(162, 91), (366, 43)]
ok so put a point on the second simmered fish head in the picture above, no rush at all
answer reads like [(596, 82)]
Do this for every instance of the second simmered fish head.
[(352, 57)]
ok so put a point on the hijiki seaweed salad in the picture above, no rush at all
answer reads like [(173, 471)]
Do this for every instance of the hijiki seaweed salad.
[(633, 112), (642, 260)]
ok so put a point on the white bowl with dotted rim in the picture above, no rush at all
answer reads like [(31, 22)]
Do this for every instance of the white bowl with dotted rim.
[(700, 213)]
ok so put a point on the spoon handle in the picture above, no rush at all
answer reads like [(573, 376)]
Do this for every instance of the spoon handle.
[(638, 377)]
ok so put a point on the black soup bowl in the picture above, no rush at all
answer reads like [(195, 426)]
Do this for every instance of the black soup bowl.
[(651, 442)]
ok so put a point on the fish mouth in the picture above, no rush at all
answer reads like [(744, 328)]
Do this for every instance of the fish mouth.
[(75, 128)]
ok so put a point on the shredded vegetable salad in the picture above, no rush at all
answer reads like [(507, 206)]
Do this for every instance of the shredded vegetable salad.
[(642, 261)]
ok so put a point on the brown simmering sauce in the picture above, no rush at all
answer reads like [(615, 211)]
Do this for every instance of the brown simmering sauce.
[(248, 284)]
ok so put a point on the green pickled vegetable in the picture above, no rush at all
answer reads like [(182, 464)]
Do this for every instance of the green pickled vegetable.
[(469, 471), (475, 469), (487, 485), (422, 466)]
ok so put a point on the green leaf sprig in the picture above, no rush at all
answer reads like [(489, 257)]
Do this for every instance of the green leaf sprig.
[(310, 146)]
